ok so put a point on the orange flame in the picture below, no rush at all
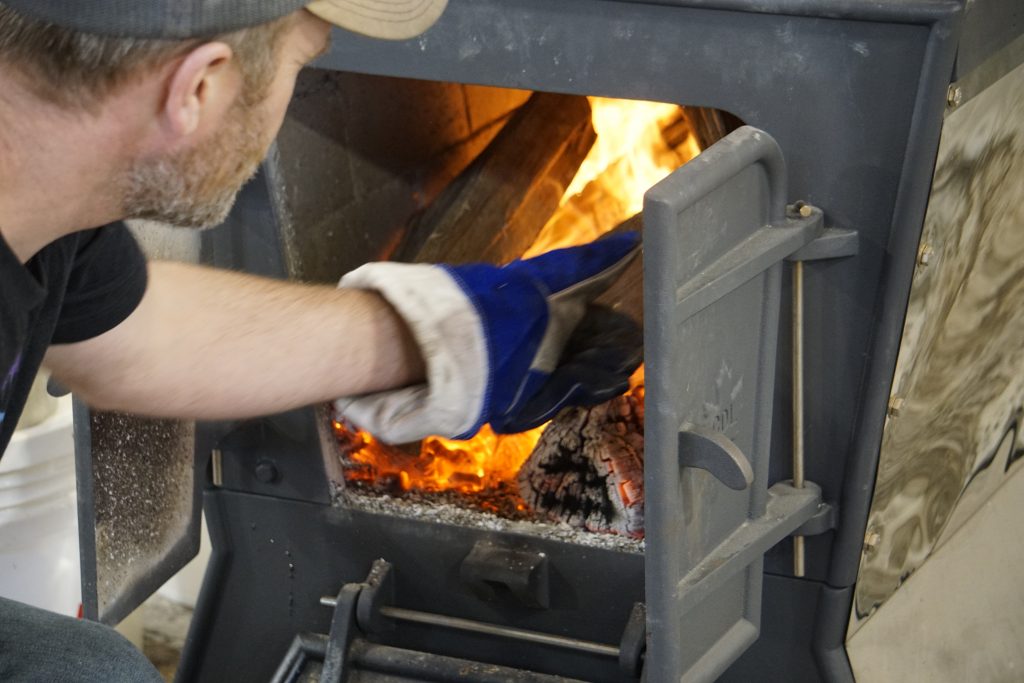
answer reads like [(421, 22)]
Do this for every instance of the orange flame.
[(438, 464), (630, 155)]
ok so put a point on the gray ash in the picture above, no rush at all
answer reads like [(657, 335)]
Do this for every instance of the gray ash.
[(459, 515), (502, 500)]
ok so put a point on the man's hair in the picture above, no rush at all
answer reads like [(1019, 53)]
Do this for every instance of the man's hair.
[(78, 70)]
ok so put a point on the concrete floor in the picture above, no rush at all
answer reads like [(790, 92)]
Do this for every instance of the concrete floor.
[(165, 625), (960, 617)]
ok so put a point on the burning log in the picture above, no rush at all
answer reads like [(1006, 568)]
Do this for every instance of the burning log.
[(588, 468), (496, 208), (707, 125), (626, 294)]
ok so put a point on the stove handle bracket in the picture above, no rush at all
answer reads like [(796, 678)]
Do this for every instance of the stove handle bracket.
[(787, 510), (832, 243), (825, 519)]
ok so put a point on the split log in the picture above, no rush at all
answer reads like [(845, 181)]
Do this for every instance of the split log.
[(626, 294), (496, 208), (708, 126), (588, 468)]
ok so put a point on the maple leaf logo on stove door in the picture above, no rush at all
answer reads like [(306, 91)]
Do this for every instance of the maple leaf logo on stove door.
[(720, 414)]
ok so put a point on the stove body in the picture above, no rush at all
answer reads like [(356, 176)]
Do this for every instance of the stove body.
[(852, 97)]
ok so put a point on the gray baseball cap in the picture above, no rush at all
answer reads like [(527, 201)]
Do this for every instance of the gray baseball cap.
[(389, 19)]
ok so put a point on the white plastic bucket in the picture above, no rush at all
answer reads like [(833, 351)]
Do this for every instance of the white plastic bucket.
[(39, 563)]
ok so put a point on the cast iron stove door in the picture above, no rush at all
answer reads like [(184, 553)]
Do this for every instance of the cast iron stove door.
[(716, 234), (138, 507), (140, 480)]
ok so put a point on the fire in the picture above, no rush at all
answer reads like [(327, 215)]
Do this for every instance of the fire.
[(636, 147), (631, 154), (486, 462), (438, 464), (636, 382)]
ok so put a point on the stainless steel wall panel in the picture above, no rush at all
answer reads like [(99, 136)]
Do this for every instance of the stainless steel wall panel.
[(959, 381)]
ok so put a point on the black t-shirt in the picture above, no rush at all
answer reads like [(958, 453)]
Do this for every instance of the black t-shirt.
[(74, 289)]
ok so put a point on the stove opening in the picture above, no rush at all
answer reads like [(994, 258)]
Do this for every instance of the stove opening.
[(501, 174)]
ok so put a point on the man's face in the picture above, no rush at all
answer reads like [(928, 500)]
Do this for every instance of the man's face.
[(197, 187)]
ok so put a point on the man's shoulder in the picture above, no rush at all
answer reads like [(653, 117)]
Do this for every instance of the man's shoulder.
[(91, 243), (73, 243)]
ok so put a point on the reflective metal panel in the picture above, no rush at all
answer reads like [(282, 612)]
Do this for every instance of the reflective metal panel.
[(961, 616), (959, 383)]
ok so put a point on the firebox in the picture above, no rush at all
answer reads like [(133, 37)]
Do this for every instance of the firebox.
[(777, 156)]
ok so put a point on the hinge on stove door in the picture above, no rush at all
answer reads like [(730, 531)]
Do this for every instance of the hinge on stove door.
[(830, 244), (363, 609)]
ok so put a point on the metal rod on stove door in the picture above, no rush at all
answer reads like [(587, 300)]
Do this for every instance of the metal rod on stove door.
[(401, 614), (798, 401)]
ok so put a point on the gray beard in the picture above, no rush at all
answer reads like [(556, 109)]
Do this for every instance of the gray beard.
[(197, 188), (159, 190)]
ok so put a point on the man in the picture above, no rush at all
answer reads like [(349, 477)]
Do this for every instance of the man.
[(161, 109)]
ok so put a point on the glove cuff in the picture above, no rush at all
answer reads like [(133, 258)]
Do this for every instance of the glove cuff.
[(450, 334)]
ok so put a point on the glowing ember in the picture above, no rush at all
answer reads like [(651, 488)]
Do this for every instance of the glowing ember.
[(632, 153)]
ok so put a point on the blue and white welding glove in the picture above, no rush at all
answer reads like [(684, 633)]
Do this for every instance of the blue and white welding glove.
[(494, 342)]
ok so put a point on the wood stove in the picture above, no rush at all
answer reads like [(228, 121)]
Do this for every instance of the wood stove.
[(829, 178)]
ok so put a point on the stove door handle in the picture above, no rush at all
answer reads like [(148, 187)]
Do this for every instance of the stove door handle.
[(714, 452)]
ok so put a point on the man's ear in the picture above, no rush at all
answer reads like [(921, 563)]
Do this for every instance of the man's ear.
[(201, 90)]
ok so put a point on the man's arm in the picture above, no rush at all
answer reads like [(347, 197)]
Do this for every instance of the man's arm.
[(212, 344)]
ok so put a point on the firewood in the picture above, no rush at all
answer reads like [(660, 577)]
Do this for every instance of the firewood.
[(496, 208), (588, 468), (710, 125), (626, 294)]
